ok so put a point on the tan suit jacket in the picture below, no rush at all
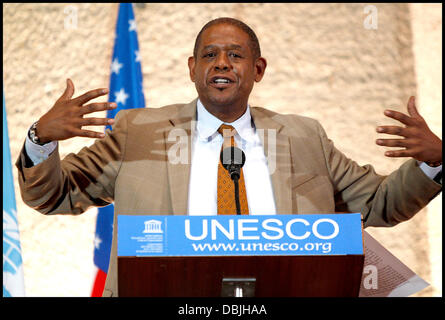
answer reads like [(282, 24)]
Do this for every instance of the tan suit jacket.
[(131, 167)]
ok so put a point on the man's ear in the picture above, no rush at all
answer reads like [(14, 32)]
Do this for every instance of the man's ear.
[(191, 63), (260, 68)]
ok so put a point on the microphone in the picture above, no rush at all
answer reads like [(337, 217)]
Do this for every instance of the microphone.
[(233, 159)]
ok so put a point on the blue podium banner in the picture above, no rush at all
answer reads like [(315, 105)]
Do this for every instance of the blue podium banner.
[(232, 235)]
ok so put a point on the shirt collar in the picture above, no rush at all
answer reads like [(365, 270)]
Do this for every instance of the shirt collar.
[(207, 124)]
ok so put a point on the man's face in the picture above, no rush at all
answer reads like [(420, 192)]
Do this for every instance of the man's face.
[(225, 70)]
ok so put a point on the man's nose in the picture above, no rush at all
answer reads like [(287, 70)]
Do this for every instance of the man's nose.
[(222, 63)]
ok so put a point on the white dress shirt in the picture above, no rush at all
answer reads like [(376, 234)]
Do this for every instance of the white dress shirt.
[(206, 149)]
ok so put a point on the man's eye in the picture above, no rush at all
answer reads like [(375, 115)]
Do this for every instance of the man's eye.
[(209, 55), (234, 55)]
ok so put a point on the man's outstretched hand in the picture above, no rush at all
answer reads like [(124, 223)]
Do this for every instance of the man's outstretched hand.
[(65, 119), (418, 141)]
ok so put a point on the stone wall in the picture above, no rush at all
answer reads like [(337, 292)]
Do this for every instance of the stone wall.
[(322, 63)]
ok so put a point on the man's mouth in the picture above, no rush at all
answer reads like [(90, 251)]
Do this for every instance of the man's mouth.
[(221, 82)]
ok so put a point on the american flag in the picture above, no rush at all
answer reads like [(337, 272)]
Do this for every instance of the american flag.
[(127, 91)]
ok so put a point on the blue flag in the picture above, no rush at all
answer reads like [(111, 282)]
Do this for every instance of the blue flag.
[(13, 283), (127, 91)]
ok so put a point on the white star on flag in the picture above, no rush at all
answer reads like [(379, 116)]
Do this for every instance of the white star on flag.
[(97, 242), (121, 96), (138, 57), (116, 66), (132, 25)]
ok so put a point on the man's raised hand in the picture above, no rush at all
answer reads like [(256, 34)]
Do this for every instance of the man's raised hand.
[(66, 118), (418, 141)]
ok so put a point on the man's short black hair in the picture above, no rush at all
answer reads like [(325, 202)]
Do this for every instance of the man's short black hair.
[(253, 43)]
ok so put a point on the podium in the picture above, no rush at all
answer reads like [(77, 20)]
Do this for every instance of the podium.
[(303, 270)]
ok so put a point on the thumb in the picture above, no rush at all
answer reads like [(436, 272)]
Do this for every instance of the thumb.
[(69, 91), (412, 110)]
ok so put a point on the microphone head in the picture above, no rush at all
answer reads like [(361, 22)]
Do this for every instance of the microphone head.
[(233, 159), (232, 156)]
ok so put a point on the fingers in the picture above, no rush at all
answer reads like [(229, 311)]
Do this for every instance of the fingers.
[(410, 119), (98, 106), (88, 134), (76, 130), (403, 118), (418, 141), (412, 109), (96, 122), (92, 94), (395, 142), (398, 153), (411, 147), (69, 90), (399, 131)]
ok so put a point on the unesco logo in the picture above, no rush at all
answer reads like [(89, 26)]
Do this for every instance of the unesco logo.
[(153, 226)]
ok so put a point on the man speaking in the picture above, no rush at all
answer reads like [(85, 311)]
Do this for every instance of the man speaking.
[(136, 165)]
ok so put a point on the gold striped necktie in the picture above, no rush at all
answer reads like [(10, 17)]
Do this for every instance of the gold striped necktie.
[(226, 187)]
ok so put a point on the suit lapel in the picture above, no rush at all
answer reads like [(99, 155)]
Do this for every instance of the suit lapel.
[(179, 139), (277, 151)]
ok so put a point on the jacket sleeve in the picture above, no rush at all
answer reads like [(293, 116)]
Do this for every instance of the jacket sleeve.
[(383, 200), (79, 181)]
